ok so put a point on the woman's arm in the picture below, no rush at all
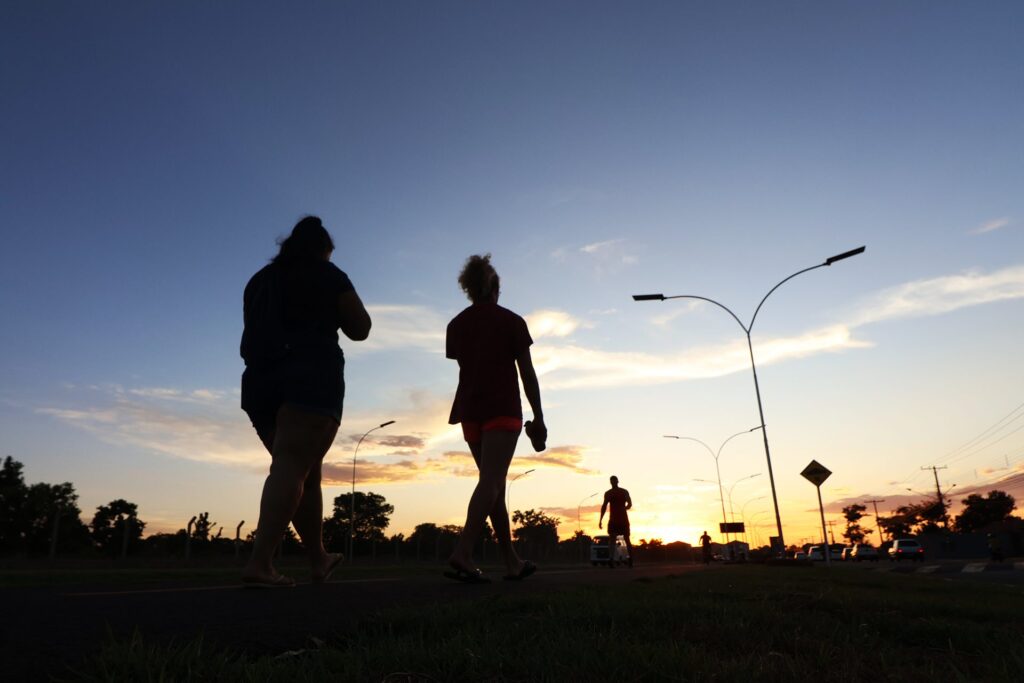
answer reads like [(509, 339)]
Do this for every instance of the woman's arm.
[(531, 386), (353, 318)]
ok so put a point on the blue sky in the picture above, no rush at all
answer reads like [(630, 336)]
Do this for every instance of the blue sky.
[(153, 153)]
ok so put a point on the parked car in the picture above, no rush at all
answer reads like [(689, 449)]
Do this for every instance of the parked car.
[(816, 553), (847, 553), (837, 551), (906, 549), (799, 555), (864, 551), (599, 552)]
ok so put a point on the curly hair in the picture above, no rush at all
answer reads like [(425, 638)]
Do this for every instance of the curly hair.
[(478, 278), (308, 241)]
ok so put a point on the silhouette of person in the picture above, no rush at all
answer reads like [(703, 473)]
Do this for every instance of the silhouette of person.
[(705, 547), (489, 342), (618, 500), (293, 388)]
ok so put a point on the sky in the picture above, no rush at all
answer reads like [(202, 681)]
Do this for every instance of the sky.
[(153, 153)]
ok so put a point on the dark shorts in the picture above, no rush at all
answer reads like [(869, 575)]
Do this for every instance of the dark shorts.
[(618, 528), (313, 385)]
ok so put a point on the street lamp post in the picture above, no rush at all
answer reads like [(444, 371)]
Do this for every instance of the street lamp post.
[(732, 514), (352, 515), (750, 347), (579, 507), (715, 455)]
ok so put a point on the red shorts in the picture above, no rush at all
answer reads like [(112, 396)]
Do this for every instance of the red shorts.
[(473, 431)]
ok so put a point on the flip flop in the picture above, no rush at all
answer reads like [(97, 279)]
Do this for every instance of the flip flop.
[(336, 560), (528, 569), (465, 576), (279, 581)]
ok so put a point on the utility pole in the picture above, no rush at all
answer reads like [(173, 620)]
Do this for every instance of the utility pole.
[(831, 531), (878, 526), (938, 493)]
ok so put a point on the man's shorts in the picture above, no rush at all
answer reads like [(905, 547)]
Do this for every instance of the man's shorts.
[(618, 528), (473, 431), (313, 385)]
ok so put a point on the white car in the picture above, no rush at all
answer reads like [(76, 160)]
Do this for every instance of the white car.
[(599, 552), (906, 549), (864, 551), (816, 553)]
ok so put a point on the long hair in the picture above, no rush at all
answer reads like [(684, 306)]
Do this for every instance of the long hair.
[(478, 278), (309, 241)]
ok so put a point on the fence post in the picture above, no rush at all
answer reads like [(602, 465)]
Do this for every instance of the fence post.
[(124, 537), (56, 530), (188, 537), (238, 541)]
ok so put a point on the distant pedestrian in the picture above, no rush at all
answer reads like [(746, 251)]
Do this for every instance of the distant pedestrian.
[(489, 342), (705, 547), (293, 388), (619, 502)]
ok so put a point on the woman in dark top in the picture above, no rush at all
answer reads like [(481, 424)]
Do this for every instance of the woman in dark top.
[(489, 342), (293, 388)]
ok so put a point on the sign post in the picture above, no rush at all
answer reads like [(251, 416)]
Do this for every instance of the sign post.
[(816, 473)]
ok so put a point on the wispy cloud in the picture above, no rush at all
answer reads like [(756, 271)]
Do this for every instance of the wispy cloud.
[(938, 295), (403, 327), (552, 323), (601, 247), (990, 226)]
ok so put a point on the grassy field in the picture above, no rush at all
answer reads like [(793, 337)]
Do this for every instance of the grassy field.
[(737, 624)]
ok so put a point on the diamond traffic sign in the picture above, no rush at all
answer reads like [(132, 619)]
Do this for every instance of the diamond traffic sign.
[(816, 473)]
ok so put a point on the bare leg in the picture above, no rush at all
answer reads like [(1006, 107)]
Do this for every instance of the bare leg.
[(496, 451), (503, 532), (300, 441)]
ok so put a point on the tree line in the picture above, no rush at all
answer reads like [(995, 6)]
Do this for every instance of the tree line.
[(45, 519)]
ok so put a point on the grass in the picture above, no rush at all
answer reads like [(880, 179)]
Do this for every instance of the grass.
[(737, 624)]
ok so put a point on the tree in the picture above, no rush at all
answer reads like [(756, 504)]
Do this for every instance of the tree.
[(28, 514), (982, 511), (373, 515), (43, 504), (538, 531), (108, 526), (855, 533), (900, 523), (12, 502), (201, 529)]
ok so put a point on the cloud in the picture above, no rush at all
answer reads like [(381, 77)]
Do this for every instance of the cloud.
[(558, 457), (990, 226), (552, 323), (601, 247), (572, 366), (402, 327), (939, 295), (396, 441)]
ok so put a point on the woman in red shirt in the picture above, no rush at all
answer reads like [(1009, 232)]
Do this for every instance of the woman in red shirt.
[(488, 342)]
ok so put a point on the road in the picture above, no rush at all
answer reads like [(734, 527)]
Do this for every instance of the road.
[(44, 629)]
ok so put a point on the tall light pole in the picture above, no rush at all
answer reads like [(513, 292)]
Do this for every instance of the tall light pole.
[(716, 455), (579, 526), (508, 491), (743, 514), (352, 515), (732, 514), (750, 346)]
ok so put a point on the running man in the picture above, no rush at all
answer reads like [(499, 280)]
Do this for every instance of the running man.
[(618, 520), (705, 547)]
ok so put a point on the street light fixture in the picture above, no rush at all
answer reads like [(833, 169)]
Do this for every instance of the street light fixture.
[(715, 455), (750, 346), (352, 516)]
